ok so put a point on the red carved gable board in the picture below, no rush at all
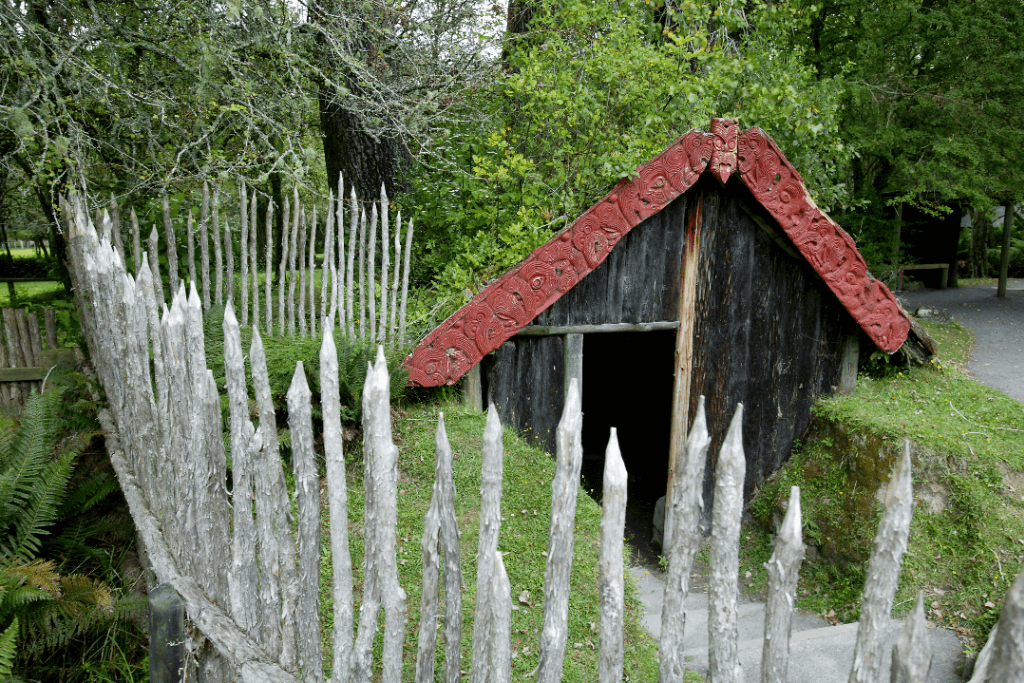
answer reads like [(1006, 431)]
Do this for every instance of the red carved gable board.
[(516, 298)]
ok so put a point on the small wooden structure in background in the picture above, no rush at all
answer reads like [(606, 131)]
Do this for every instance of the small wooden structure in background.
[(24, 361), (710, 272)]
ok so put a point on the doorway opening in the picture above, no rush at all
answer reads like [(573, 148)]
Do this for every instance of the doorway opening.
[(627, 384)]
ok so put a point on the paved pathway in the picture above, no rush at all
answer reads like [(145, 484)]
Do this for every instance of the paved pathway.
[(997, 359), (819, 653)]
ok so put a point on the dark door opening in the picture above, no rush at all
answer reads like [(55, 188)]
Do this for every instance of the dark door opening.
[(627, 384)]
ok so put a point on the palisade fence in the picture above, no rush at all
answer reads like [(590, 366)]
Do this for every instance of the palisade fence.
[(368, 307), (249, 585)]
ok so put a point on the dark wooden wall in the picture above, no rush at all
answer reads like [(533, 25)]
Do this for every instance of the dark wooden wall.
[(768, 332), (524, 378), (637, 283)]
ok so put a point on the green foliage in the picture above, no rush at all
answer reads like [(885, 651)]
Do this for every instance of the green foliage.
[(593, 90), (932, 105), (283, 353), (53, 517)]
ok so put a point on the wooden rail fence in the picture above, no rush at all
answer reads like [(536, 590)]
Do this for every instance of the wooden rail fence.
[(27, 353), (364, 305), (248, 583)]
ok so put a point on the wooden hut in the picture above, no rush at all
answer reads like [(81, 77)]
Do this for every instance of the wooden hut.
[(710, 272)]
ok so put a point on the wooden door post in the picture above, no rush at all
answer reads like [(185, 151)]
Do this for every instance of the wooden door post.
[(684, 350), (472, 390), (573, 348)]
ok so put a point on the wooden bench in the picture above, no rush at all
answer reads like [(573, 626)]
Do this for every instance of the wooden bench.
[(944, 267)]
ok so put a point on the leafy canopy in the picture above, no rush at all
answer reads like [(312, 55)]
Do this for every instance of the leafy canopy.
[(591, 91)]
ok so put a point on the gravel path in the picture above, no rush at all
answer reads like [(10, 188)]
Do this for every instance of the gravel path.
[(997, 359)]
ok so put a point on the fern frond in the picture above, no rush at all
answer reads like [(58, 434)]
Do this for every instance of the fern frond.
[(88, 492), (8, 648), (40, 510)]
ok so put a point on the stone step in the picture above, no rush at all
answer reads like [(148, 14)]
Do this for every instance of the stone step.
[(819, 653)]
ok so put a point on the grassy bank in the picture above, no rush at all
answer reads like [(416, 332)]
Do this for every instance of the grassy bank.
[(967, 536), (525, 508)]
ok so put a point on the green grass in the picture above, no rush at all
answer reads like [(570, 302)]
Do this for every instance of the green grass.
[(969, 457), (524, 537), (31, 292)]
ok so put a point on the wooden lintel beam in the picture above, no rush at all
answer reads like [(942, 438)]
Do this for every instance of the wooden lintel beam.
[(552, 330), (21, 374)]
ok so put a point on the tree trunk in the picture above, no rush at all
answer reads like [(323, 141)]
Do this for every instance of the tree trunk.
[(981, 226), (366, 161), (1004, 261)]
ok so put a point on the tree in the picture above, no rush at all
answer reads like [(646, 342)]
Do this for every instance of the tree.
[(591, 91), (934, 105)]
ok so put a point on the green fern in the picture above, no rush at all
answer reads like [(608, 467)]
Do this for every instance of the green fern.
[(8, 648), (41, 518)]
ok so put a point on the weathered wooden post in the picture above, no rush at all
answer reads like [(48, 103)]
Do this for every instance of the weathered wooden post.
[(564, 488), (115, 227), (442, 505), (339, 224), (1007, 664), (783, 572), (292, 249), (218, 254), (307, 494), (613, 522), (172, 247), (385, 217), (243, 255), (350, 271), (229, 267), (312, 274), (204, 246), (337, 496), (154, 265), (371, 278), (723, 613), (500, 657), (912, 653), (398, 271), (682, 539), (883, 575), (166, 635), (380, 457), (268, 284), (253, 266), (301, 254), (245, 442), (362, 273), (487, 543), (190, 241), (136, 242), (325, 266), (405, 283), (282, 270)]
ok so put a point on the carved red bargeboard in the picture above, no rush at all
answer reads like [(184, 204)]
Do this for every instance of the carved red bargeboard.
[(826, 246), (519, 296)]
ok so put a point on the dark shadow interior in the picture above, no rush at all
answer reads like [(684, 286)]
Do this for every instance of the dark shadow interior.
[(627, 384)]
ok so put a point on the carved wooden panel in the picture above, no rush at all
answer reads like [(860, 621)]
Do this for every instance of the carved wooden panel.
[(517, 297), (826, 246)]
